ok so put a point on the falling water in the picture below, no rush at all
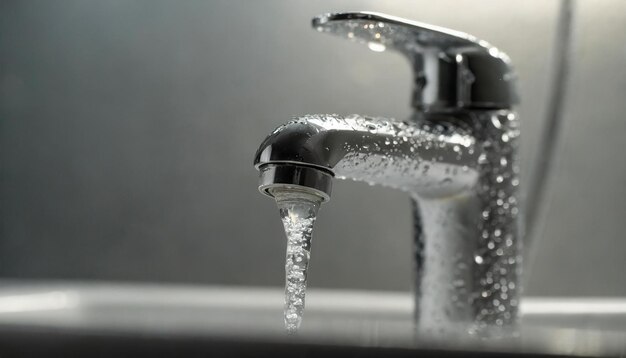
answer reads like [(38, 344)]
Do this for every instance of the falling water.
[(298, 210)]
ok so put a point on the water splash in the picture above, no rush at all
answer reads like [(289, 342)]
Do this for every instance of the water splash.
[(298, 211)]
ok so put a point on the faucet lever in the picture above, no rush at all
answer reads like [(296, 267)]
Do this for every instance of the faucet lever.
[(452, 69)]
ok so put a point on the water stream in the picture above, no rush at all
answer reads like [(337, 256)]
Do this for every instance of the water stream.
[(298, 210)]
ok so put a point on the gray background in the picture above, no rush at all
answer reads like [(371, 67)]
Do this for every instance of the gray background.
[(127, 130)]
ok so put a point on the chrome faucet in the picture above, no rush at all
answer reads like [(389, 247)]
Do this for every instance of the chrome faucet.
[(456, 157)]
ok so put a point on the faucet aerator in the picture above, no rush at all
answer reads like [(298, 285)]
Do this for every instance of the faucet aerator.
[(280, 176)]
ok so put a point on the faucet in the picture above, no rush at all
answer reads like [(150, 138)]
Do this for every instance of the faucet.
[(456, 156)]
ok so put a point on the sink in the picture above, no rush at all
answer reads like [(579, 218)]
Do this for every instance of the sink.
[(71, 317)]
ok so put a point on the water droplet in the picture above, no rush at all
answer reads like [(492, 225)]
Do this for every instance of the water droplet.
[(496, 122), (376, 46)]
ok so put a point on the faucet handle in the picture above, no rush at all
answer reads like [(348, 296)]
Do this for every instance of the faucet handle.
[(452, 69)]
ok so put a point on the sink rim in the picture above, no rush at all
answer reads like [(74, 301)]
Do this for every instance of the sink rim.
[(382, 319)]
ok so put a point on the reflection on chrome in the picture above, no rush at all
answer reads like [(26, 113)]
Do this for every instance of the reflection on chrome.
[(574, 326), (47, 301), (573, 306)]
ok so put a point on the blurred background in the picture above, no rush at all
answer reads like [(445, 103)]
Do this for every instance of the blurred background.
[(128, 128)]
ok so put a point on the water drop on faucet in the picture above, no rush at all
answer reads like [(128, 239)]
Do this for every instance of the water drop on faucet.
[(376, 46)]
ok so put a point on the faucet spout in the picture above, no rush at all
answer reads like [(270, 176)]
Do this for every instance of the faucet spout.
[(456, 157), (428, 158), (460, 170)]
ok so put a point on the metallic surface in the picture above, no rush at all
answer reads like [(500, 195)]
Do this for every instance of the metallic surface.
[(574, 326), (451, 69), (295, 177), (457, 160)]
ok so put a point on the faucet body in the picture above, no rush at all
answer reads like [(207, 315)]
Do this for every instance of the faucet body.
[(456, 157)]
